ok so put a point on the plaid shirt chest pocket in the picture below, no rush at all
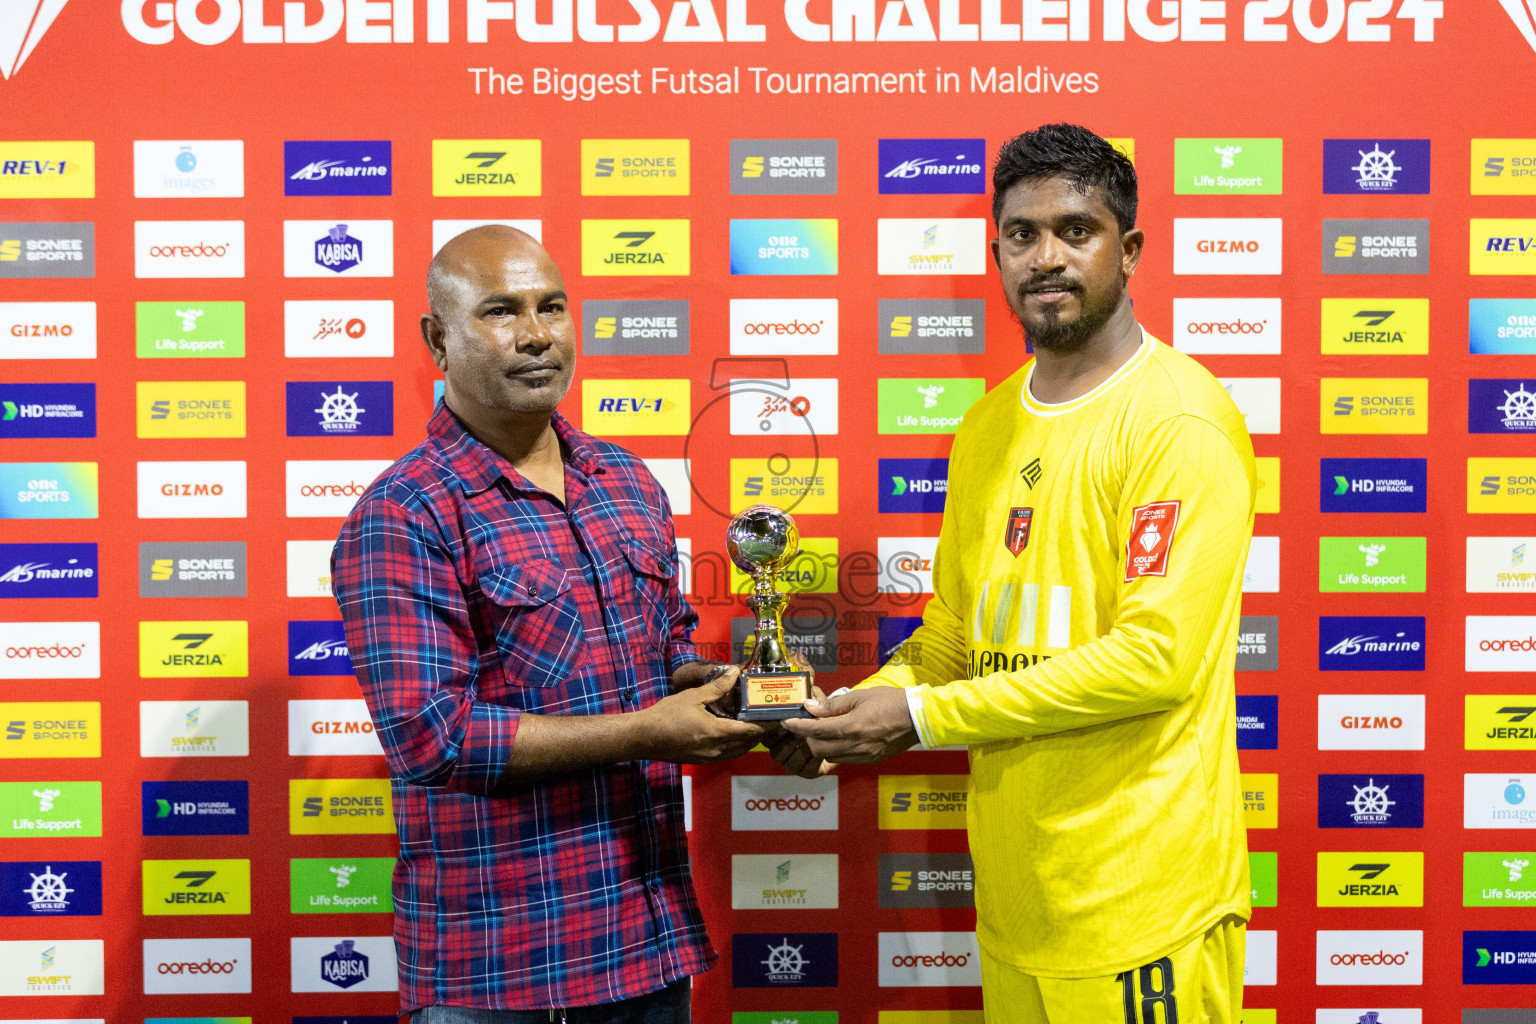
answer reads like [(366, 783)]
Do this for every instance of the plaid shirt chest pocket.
[(531, 612), (652, 571)]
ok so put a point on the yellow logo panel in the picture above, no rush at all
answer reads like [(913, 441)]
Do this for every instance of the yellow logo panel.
[(1371, 879), (635, 248), (51, 729), (1251, 1016), (930, 1017), (631, 408), (487, 167), (814, 570), (194, 649), (803, 486), (186, 887), (336, 806), (1268, 497), (634, 167), (923, 801), (1504, 167), (1375, 327), (1501, 722), (47, 170), (1261, 800), (1501, 485), (1503, 246), (191, 408), (1126, 146), (1375, 405)]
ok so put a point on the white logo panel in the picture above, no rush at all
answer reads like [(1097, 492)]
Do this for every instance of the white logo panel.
[(1382, 1016), (196, 966), (929, 960), (783, 327), (1498, 801), (191, 490), (194, 728), (1244, 327), (906, 564), (47, 330), (1226, 245), (317, 728), (1370, 958), (360, 964), (784, 880), (331, 249), (444, 230), (808, 407), (672, 474), (766, 803), (339, 328), (52, 967), (209, 169), (50, 650), (189, 248), (309, 568), (931, 246), (329, 487), (1497, 565), (1258, 399), (1501, 643), (1261, 964), (1370, 721), (1262, 574)]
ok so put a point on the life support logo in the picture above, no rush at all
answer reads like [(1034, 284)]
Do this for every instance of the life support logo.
[(772, 803)]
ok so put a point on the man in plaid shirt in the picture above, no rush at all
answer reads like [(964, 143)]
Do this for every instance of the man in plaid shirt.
[(511, 600)]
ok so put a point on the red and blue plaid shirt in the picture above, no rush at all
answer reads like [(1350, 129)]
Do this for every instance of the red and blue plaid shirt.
[(471, 596)]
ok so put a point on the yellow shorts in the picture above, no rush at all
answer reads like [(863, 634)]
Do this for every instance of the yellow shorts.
[(1199, 983)]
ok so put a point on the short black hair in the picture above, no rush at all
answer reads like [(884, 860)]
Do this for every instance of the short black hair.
[(1067, 151)]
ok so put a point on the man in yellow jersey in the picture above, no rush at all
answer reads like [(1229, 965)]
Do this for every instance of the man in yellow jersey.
[(1082, 631)]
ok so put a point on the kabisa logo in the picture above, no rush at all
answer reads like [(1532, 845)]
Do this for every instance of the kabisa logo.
[(634, 167), (47, 170), (1501, 485), (1258, 644), (338, 251), (933, 166), (47, 249), (47, 330), (1258, 722), (195, 808), (1501, 406), (635, 248), (913, 485), (1498, 958), (336, 168), (932, 326), (1375, 326), (1221, 167), (948, 245), (1376, 167), (338, 328), (1374, 405), (778, 247), (325, 248), (189, 329), (1353, 246), (1503, 246), (1372, 879), (211, 168), (344, 966), (803, 167), (1370, 801), (68, 888), (47, 570), (1506, 167), (318, 649), (22, 26), (1226, 245), (1371, 643), (634, 327), (784, 960), (345, 408), (1501, 326), (487, 167), (1373, 485), (1227, 326)]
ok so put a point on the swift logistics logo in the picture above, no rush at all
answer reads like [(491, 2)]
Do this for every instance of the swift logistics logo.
[(910, 802), (193, 649), (784, 247), (1222, 167), (309, 568), (919, 880), (192, 569), (635, 407), (1373, 879), (47, 410), (771, 881), (1374, 405), (913, 485), (1498, 958), (1501, 485), (1373, 485), (1375, 167), (933, 326), (1361, 643), (38, 249), (1372, 565), (932, 166), (926, 405), (635, 248), (487, 167), (1501, 326), (1258, 722), (1506, 167), (339, 806), (1503, 246), (1496, 564), (47, 330), (1501, 406), (318, 648), (1370, 801), (48, 570), (931, 246), (1354, 246), (187, 408), (347, 885), (47, 170), (1497, 801), (332, 328), (328, 249), (773, 803), (196, 887), (635, 167), (51, 967), (56, 888), (50, 650), (634, 327), (50, 729), (1375, 327), (341, 408), (1227, 326), (784, 327), (1226, 245), (784, 960), (181, 169), (337, 168), (1370, 721), (1500, 722), (783, 167), (190, 728), (196, 808), (170, 330), (54, 809), (22, 26)]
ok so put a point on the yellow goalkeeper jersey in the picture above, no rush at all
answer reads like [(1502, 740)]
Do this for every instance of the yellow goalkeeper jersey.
[(1081, 640)]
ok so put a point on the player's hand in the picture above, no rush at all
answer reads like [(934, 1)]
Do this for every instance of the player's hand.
[(794, 754), (683, 729), (861, 727)]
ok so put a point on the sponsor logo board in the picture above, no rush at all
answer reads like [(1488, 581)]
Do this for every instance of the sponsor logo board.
[(1354, 246), (197, 966), (181, 808), (1498, 879), (39, 249), (926, 405), (921, 880), (1227, 167), (341, 408), (1361, 643), (1374, 405), (933, 166), (340, 885), (1496, 326), (1372, 564), (931, 246), (309, 568), (799, 486), (358, 964), (634, 327), (1261, 800), (47, 330), (191, 490), (635, 248), (1258, 643), (339, 328), (52, 809), (1375, 167), (327, 248), (781, 247), (313, 168), (1374, 485), (765, 803), (634, 407), (487, 167), (192, 569), (1501, 406), (1227, 245), (635, 167), (318, 648), (784, 960), (1373, 800), (50, 650), (328, 487), (1503, 246), (51, 967), (806, 406), (922, 801), (913, 485), (48, 570), (772, 881), (189, 330), (1370, 958), (1501, 643), (1370, 721), (1500, 721), (1498, 958), (1375, 327), (47, 170), (783, 327), (1498, 801), (54, 888), (47, 410), (196, 887), (208, 408), (1501, 485), (204, 169), (188, 248), (50, 729), (322, 727), (1376, 1016), (1370, 879), (192, 649), (933, 326), (192, 728), (788, 167), (339, 806), (813, 637), (1227, 326), (928, 960), (1258, 722), (48, 490), (1503, 167)]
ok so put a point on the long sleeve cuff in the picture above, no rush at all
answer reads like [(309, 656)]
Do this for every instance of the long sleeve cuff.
[(914, 695), (486, 749)]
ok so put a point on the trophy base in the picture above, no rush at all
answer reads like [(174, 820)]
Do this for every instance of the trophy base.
[(773, 696)]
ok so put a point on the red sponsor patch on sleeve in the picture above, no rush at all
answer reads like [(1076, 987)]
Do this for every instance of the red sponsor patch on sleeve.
[(1151, 539)]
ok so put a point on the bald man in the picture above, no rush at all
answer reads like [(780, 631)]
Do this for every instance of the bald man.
[(511, 600)]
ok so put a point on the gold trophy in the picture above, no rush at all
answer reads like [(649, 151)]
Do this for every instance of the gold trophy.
[(775, 681)]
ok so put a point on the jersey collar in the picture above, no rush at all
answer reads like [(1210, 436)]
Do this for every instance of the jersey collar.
[(1036, 407)]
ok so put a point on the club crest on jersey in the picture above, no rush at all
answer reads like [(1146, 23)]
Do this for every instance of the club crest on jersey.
[(1151, 538), (1019, 520)]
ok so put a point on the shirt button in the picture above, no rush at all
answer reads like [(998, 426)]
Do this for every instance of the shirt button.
[(655, 886), (628, 695), (533, 591)]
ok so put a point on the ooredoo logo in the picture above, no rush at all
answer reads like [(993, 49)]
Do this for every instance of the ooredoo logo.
[(329, 488), (189, 248), (197, 966), (1501, 643), (1370, 957), (1226, 245), (928, 959), (50, 650), (780, 327), (770, 803), (1227, 326)]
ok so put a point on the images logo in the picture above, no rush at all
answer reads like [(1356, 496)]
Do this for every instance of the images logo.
[(1374, 405), (1375, 167), (42, 889), (932, 326), (196, 887), (50, 809), (189, 329), (189, 248), (780, 247), (1372, 879), (634, 167), (802, 167), (22, 26), (320, 248), (1370, 721), (1375, 246), (47, 330), (354, 885), (1227, 326), (933, 166), (784, 960), (191, 408), (179, 170), (487, 167), (1226, 245), (47, 570), (913, 485), (1258, 722), (1497, 801), (922, 801), (1370, 801), (1506, 167), (348, 408), (635, 248), (635, 407), (1503, 246), (336, 168), (338, 806), (51, 729), (926, 405), (338, 329), (47, 170), (918, 880), (784, 327), (47, 249), (1375, 326), (1221, 167), (195, 808), (927, 246), (778, 803), (1370, 958), (634, 327)]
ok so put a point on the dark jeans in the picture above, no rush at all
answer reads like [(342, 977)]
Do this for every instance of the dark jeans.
[(668, 1006)]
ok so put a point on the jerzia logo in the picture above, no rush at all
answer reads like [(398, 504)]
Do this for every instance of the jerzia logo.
[(22, 24)]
